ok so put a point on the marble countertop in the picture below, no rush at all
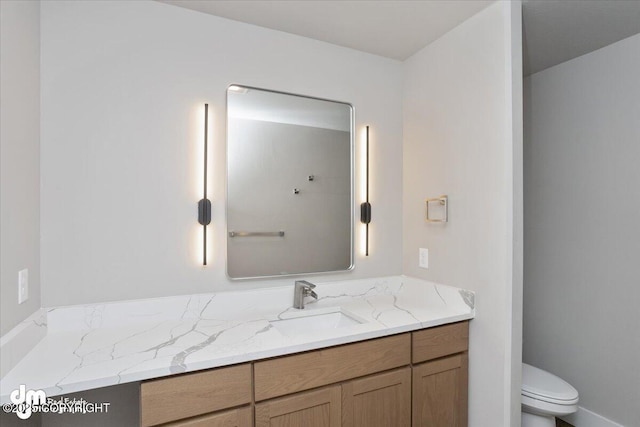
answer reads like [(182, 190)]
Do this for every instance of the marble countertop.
[(98, 345)]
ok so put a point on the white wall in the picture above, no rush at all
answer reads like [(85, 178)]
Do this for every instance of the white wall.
[(20, 157), (461, 116), (123, 85), (582, 237)]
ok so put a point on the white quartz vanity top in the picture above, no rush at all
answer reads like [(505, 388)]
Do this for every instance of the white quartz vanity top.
[(98, 345)]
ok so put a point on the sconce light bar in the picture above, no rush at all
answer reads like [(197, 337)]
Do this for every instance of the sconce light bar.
[(204, 205), (365, 207)]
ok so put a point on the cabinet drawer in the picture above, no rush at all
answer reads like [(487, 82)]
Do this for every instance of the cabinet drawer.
[(290, 374), (188, 395), (440, 341)]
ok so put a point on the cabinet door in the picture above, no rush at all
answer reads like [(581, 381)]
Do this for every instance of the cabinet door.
[(380, 400), (320, 408), (240, 417), (440, 392)]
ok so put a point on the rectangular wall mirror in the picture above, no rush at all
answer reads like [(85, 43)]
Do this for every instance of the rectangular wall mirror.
[(289, 184)]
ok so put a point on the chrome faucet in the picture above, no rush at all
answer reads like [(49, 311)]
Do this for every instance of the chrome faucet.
[(302, 289)]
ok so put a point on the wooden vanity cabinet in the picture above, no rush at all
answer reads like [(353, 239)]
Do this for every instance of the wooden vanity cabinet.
[(413, 379), (440, 376)]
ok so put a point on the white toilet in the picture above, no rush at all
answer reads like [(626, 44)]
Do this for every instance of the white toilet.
[(545, 396)]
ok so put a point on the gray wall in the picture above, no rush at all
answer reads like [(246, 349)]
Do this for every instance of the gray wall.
[(19, 157), (582, 230)]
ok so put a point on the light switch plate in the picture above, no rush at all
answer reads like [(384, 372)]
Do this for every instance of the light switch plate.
[(23, 285), (423, 258)]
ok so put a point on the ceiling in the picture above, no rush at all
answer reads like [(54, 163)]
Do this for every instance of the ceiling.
[(395, 29), (557, 31), (554, 30)]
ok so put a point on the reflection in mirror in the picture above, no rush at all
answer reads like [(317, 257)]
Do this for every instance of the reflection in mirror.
[(289, 184)]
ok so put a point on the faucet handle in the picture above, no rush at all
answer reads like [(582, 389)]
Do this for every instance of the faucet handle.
[(306, 284)]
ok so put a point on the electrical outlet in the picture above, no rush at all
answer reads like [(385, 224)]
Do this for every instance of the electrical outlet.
[(423, 258), (23, 285)]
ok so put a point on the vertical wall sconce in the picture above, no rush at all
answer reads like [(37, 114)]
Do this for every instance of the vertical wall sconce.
[(365, 207), (204, 205)]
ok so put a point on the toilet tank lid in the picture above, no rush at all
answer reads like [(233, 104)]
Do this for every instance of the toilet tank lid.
[(542, 384)]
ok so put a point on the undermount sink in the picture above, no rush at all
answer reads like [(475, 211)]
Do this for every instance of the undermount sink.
[(310, 323)]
